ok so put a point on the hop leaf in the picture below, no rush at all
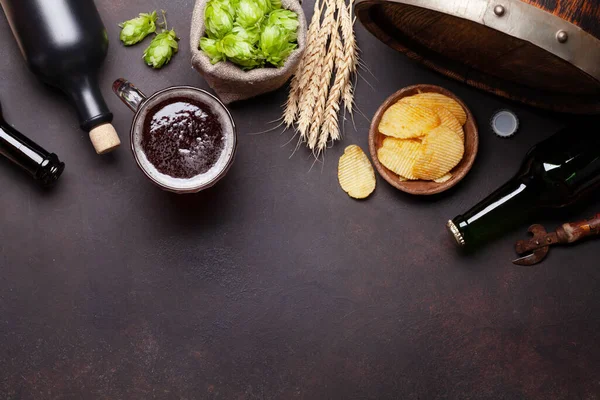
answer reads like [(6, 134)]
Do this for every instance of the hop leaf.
[(240, 51), (161, 49), (136, 29), (287, 20), (209, 46), (218, 17), (274, 45), (249, 14)]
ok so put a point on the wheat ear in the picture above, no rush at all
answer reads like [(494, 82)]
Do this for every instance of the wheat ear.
[(328, 124), (314, 67), (330, 127), (310, 54), (350, 51), (306, 73), (319, 111), (324, 83), (291, 106)]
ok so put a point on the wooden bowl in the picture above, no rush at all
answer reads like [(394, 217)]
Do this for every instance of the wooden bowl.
[(424, 187)]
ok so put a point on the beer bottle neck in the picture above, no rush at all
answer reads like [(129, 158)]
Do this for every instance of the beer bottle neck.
[(513, 202), (40, 164), (85, 94)]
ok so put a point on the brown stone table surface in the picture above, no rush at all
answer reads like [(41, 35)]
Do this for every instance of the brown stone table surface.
[(274, 284)]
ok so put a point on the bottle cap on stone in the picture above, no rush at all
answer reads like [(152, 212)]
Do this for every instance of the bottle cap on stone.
[(505, 123)]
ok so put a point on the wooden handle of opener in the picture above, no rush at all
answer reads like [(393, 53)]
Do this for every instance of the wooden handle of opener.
[(575, 231)]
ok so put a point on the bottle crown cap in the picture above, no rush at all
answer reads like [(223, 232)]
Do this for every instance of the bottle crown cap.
[(505, 123)]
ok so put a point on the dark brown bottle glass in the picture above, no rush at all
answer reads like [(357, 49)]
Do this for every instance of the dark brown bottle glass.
[(43, 166), (64, 43), (555, 173)]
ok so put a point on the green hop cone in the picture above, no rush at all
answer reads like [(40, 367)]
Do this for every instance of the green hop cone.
[(240, 51), (249, 14), (250, 35), (274, 45), (275, 4), (136, 29), (218, 18), (229, 5), (265, 5), (161, 49), (287, 20), (209, 46)]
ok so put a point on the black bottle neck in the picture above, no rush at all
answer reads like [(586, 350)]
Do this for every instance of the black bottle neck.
[(43, 166), (84, 92), (514, 201)]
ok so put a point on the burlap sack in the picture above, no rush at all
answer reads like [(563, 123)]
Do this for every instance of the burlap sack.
[(228, 80)]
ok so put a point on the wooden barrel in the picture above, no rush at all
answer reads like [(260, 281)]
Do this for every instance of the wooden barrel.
[(545, 53)]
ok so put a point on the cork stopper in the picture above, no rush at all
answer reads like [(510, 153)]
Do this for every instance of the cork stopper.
[(104, 138)]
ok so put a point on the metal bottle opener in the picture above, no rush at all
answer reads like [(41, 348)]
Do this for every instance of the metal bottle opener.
[(535, 250)]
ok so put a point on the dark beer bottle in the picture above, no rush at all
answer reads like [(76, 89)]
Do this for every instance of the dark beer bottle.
[(64, 43), (555, 173), (43, 166)]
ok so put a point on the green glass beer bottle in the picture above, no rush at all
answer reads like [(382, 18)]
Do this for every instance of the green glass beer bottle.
[(555, 173)]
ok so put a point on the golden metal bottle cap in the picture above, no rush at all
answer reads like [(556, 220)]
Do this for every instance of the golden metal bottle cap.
[(460, 240)]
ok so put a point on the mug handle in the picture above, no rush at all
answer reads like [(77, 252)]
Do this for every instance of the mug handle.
[(129, 94)]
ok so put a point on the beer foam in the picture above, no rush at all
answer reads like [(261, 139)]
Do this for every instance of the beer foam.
[(200, 181)]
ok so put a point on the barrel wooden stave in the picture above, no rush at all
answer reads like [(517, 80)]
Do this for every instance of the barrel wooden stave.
[(483, 57)]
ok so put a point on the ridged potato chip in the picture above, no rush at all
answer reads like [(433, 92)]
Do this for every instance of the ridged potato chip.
[(444, 178), (405, 121), (355, 173), (450, 121), (433, 100), (441, 150), (399, 156)]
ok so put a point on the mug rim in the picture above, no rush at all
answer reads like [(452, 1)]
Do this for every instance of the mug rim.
[(163, 186)]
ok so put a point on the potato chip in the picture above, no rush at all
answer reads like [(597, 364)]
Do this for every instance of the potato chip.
[(441, 150), (407, 121), (444, 178), (450, 121), (433, 100), (355, 173), (399, 156)]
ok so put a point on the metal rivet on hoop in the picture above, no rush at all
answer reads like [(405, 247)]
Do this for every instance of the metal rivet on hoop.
[(562, 36), (499, 10)]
